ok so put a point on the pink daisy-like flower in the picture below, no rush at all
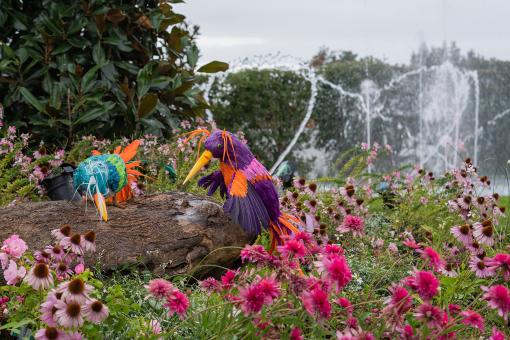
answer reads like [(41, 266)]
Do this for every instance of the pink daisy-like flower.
[(13, 274), (69, 314), (430, 314), (63, 270), (95, 311), (484, 233), (424, 283), (353, 224), (498, 297), (337, 270), (14, 246), (74, 336), (500, 262), (295, 334), (50, 333), (299, 183), (254, 254), (293, 248), (252, 299), (346, 304), (399, 302), (497, 334), (316, 303), (56, 252), (64, 231), (177, 302), (462, 233), (48, 310), (159, 288), (472, 318), (42, 256), (270, 288), (227, 279), (75, 290), (480, 267), (432, 257), (39, 276), (73, 243), (89, 241), (210, 285), (474, 247), (411, 244), (449, 270)]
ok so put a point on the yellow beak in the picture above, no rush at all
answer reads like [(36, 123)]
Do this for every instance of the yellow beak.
[(201, 162)]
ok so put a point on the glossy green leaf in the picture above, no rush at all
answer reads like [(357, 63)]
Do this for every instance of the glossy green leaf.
[(29, 98), (213, 67)]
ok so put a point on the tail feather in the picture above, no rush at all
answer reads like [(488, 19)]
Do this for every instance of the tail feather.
[(281, 230)]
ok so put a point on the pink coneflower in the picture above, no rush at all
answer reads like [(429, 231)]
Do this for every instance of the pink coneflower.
[(69, 314), (498, 297), (337, 270), (293, 248), (346, 304), (74, 336), (13, 274), (63, 270), (254, 254), (399, 302), (14, 246), (227, 279), (75, 290), (474, 247), (484, 233), (48, 310), (210, 285), (270, 288), (177, 302), (50, 333), (432, 257), (89, 241), (56, 252), (316, 303), (424, 283), (497, 334), (353, 224), (449, 270), (500, 262), (295, 334), (472, 318), (73, 243), (159, 288), (480, 267), (64, 231), (42, 256), (95, 311), (411, 244), (430, 314), (299, 183), (252, 299), (39, 276), (462, 233)]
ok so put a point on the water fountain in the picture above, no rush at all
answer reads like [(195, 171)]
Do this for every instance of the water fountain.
[(441, 125)]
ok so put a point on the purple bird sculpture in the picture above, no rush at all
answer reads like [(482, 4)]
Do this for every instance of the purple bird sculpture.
[(251, 197)]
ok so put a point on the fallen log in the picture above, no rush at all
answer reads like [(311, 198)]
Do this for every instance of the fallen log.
[(168, 233)]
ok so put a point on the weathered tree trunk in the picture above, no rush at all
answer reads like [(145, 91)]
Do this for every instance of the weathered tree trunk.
[(169, 232)]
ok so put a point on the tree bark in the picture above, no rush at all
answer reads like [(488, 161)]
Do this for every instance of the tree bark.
[(168, 233)]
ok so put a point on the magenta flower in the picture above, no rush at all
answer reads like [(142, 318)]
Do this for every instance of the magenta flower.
[(346, 304), (228, 279), (500, 262), (254, 254), (252, 299), (353, 224), (177, 302), (424, 283), (270, 289), (411, 244), (14, 246), (497, 334), (293, 248), (430, 314), (295, 334), (473, 319), (159, 288), (432, 258), (400, 301), (333, 249), (498, 297), (337, 270), (316, 303), (210, 285)]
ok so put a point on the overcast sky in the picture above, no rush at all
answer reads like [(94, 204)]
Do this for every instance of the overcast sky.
[(389, 29)]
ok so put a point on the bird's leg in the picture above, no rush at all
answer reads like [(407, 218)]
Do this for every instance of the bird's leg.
[(118, 204)]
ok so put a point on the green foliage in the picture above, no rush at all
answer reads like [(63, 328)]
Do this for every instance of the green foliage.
[(114, 68)]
